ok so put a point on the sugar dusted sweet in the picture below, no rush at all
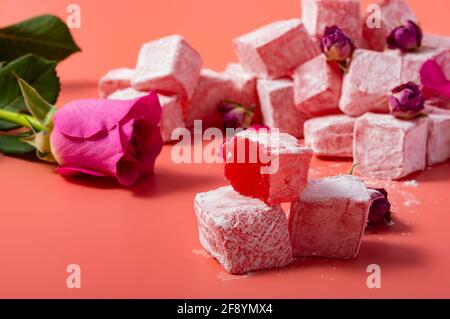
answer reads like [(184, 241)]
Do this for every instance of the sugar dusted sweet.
[(329, 217), (267, 165), (389, 148), (438, 149), (169, 66), (330, 135), (278, 108), (436, 41), (362, 89), (172, 111), (394, 13), (212, 89), (317, 87), (412, 62), (277, 49), (114, 80), (244, 234), (346, 14)]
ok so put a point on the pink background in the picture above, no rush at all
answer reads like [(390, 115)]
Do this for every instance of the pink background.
[(143, 242)]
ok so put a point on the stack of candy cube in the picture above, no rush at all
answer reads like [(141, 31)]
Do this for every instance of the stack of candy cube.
[(282, 71), (244, 227)]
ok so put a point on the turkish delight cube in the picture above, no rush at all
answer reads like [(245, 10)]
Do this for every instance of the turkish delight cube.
[(244, 234), (317, 87), (329, 217), (212, 89), (169, 66), (278, 108), (330, 135), (267, 165), (369, 82), (436, 41), (389, 148), (244, 89), (394, 13), (412, 62), (172, 110), (438, 150), (114, 80), (275, 50), (319, 14)]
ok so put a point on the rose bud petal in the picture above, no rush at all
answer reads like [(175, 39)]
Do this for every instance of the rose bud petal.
[(336, 45), (235, 115), (407, 37), (406, 101), (380, 210), (119, 139), (434, 80)]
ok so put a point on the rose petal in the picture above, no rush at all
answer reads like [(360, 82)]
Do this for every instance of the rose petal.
[(72, 171)]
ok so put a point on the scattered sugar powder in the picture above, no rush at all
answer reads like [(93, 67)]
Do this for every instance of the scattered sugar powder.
[(411, 183), (411, 202), (201, 252), (224, 276)]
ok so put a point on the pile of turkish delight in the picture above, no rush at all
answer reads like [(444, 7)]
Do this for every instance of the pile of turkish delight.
[(352, 85), (284, 69)]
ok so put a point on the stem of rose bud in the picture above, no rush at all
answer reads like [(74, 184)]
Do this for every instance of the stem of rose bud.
[(23, 120)]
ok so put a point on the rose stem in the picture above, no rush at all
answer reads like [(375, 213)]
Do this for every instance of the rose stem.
[(22, 120)]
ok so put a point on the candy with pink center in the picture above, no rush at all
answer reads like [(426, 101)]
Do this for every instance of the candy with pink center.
[(329, 217), (172, 110), (244, 85), (330, 135), (169, 66), (275, 50), (438, 150), (244, 234), (319, 14), (278, 108), (212, 89), (394, 13), (362, 89), (317, 87), (114, 80), (267, 165), (389, 148)]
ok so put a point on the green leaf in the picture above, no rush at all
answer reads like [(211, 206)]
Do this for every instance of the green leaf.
[(46, 35), (37, 106), (2, 63), (12, 145), (38, 72)]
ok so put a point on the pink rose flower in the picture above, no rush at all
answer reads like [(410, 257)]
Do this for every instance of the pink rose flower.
[(119, 139)]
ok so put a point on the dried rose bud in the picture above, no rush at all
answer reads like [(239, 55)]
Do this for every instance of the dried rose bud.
[(336, 45), (380, 211), (235, 115), (406, 101), (407, 37)]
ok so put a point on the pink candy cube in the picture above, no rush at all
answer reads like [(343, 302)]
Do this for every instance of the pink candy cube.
[(394, 13), (317, 86), (346, 14), (330, 135), (436, 41), (438, 150), (212, 89), (114, 80), (172, 111), (389, 148), (242, 233), (277, 49), (369, 82), (168, 65), (329, 218), (266, 165), (412, 62), (278, 108), (244, 89)]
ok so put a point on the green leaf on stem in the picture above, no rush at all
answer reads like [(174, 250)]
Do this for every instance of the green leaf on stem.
[(46, 35), (38, 107), (13, 145), (38, 72)]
